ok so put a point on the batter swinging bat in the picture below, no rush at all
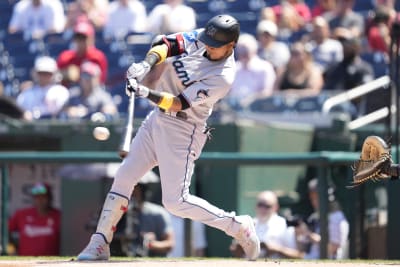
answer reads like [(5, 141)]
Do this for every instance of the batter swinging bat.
[(127, 136), (128, 132)]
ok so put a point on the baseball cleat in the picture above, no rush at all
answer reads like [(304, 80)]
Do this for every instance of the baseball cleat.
[(96, 250), (247, 237)]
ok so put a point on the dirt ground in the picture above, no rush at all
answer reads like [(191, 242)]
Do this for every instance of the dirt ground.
[(190, 263)]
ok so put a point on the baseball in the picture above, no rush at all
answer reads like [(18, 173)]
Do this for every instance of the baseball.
[(101, 133)]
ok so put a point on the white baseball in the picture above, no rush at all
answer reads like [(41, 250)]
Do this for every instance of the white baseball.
[(101, 133)]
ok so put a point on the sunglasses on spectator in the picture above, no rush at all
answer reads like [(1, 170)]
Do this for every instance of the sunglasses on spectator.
[(263, 205), (79, 36)]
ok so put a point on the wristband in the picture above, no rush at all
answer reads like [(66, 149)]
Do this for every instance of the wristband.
[(166, 101)]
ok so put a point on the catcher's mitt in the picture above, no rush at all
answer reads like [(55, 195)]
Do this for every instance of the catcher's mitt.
[(374, 163)]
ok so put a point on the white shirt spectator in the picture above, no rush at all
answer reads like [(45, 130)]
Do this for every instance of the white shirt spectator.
[(277, 54), (289, 238), (46, 98), (123, 19), (254, 77), (257, 77), (43, 101), (198, 237), (165, 18), (273, 230), (37, 20), (327, 54), (338, 229)]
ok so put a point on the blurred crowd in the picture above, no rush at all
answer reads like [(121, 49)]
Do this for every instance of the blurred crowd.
[(293, 50)]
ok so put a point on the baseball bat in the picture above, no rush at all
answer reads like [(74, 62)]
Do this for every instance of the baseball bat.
[(127, 135), (128, 132)]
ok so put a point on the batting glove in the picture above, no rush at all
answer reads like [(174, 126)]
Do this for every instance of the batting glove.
[(134, 87), (138, 70)]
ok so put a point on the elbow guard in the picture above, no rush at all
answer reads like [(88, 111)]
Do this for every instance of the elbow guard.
[(175, 43)]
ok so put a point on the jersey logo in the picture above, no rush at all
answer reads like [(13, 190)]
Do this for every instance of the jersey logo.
[(201, 95), (190, 36), (182, 73)]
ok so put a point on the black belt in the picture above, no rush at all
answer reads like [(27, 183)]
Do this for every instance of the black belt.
[(180, 114)]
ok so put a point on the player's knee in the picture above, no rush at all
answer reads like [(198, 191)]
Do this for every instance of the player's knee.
[(173, 206)]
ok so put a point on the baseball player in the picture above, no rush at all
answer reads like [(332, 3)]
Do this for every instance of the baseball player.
[(199, 71)]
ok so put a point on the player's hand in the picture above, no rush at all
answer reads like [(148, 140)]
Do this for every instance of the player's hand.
[(138, 89), (138, 70)]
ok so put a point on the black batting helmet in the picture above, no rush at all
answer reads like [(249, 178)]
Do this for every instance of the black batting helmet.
[(220, 30)]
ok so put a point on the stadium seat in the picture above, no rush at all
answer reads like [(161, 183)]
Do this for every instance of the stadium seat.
[(378, 61), (269, 104), (269, 3), (150, 4), (309, 104), (364, 5), (200, 6), (56, 43)]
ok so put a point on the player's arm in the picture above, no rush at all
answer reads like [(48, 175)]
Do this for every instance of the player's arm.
[(162, 47)]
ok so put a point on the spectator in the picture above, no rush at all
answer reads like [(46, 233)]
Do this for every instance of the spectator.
[(46, 97), (268, 13), (95, 11), (254, 77), (322, 7), (379, 31), (287, 19), (84, 49), (125, 16), (338, 227), (90, 97), (296, 240), (270, 227), (37, 17), (326, 52), (301, 77), (277, 53), (345, 17), (302, 10), (172, 16), (37, 229), (352, 71), (152, 233), (73, 15)]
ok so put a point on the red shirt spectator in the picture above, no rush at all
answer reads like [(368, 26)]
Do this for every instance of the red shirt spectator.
[(69, 61), (301, 8), (39, 226), (323, 6), (378, 38), (380, 27)]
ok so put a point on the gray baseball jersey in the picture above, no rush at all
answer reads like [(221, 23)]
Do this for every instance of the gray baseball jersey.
[(174, 144), (201, 81)]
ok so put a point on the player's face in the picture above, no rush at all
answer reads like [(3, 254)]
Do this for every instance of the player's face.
[(219, 53)]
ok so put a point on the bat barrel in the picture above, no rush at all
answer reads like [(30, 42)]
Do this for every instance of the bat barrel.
[(128, 132)]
